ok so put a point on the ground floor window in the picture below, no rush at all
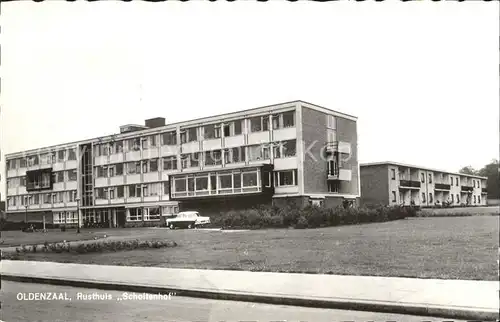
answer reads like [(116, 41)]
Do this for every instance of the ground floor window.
[(134, 214), (333, 186), (65, 217), (285, 178), (151, 214)]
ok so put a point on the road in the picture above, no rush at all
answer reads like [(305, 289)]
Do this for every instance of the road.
[(174, 308)]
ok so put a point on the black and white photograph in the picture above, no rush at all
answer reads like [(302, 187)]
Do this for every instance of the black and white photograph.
[(209, 161)]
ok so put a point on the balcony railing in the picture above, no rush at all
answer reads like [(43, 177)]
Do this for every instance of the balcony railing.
[(338, 146), (340, 174), (467, 189), (409, 184), (442, 186)]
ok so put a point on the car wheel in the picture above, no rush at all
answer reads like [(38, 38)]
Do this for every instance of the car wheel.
[(172, 226)]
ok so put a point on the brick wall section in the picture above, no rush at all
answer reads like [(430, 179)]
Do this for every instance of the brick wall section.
[(346, 132), (374, 185), (314, 135)]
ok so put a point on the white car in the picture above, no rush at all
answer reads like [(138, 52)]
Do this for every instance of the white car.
[(187, 219)]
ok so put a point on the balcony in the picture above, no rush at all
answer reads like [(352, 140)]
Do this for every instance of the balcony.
[(409, 184), (467, 189), (338, 146), (484, 190), (340, 175), (442, 186)]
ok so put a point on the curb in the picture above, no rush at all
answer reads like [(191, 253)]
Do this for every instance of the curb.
[(325, 303)]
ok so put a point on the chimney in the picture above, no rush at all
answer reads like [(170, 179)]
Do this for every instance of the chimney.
[(155, 122)]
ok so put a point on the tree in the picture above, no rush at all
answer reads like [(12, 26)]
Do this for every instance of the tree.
[(491, 171), (468, 170)]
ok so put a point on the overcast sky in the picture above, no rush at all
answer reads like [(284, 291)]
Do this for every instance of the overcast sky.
[(422, 77)]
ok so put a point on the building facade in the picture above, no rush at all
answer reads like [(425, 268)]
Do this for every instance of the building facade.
[(392, 183), (292, 153)]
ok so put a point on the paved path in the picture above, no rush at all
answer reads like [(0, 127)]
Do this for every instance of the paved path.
[(440, 298)]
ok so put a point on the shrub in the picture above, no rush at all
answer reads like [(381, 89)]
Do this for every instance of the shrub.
[(301, 223)]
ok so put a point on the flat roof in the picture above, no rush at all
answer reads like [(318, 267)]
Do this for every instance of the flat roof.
[(369, 164), (191, 122)]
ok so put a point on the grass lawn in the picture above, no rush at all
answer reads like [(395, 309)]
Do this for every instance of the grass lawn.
[(17, 237), (454, 248), (460, 211)]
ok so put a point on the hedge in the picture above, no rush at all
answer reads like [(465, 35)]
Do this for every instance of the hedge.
[(308, 217)]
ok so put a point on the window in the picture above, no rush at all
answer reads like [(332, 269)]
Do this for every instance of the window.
[(451, 181), (458, 198), (259, 123), (119, 192), (288, 119), (474, 199), (185, 161), (99, 193), (32, 161), (134, 190), (394, 196), (225, 181), (189, 135), (249, 179), (237, 127), (61, 155), (153, 189), (54, 198), (266, 179), (101, 172), (151, 214), (22, 163), (72, 196), (289, 148), (331, 122), (180, 185), (452, 201), (60, 176), (72, 175), (133, 168), (72, 154), (169, 138), (234, 155), (430, 181), (166, 188), (254, 152), (422, 177), (479, 184), (153, 165), (277, 151), (134, 144), (393, 174), (456, 181), (213, 157), (211, 131), (423, 196), (478, 199), (285, 178), (237, 180), (145, 191), (201, 183), (194, 160), (226, 129), (275, 121), (430, 197), (22, 182), (117, 147), (134, 214), (60, 197), (170, 163), (190, 184), (118, 169)]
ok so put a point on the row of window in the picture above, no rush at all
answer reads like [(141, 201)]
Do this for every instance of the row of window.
[(44, 158), (422, 179), (233, 180), (207, 132), (143, 214), (44, 182), (217, 157), (132, 191), (477, 199), (42, 198), (65, 217)]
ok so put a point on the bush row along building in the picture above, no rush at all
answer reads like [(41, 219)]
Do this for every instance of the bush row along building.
[(292, 153)]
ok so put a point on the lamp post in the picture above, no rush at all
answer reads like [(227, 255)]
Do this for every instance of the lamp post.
[(78, 214)]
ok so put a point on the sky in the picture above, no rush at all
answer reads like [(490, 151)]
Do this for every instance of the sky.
[(422, 77)]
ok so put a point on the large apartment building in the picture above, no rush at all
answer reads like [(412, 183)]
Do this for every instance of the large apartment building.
[(392, 183), (293, 152)]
